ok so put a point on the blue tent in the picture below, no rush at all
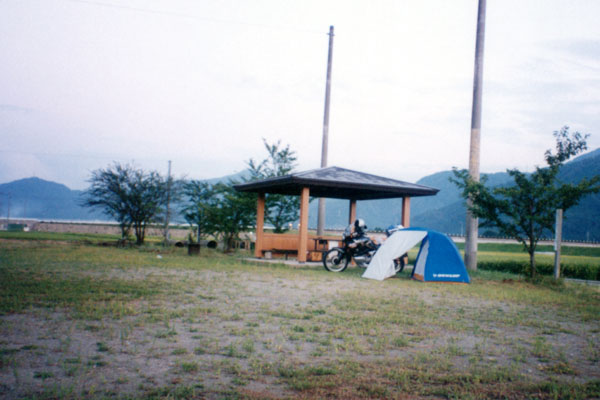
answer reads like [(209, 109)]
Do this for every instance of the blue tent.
[(439, 260)]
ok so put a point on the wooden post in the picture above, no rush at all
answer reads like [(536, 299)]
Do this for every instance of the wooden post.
[(557, 243), (260, 222), (406, 212), (303, 231), (352, 213)]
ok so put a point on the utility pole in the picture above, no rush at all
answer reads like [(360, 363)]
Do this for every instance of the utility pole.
[(324, 148), (472, 222), (168, 211)]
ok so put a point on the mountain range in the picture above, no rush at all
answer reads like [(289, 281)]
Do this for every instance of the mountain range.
[(40, 199), (445, 212)]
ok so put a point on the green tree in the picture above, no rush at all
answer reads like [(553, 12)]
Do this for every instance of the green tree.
[(132, 196), (232, 213), (526, 209), (219, 210), (200, 206), (108, 192), (280, 210)]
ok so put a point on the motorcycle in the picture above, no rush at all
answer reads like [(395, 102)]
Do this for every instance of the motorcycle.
[(358, 247)]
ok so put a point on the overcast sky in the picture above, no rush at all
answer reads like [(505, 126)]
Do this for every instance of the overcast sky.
[(84, 83)]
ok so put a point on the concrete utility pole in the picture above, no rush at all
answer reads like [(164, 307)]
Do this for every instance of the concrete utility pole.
[(321, 216), (472, 222)]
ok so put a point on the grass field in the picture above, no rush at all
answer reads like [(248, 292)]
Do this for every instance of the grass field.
[(65, 237), (82, 320)]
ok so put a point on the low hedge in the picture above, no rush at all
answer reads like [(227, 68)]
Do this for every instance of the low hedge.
[(576, 271)]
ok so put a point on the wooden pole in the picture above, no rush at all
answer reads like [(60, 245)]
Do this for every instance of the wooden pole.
[(557, 243), (324, 148), (406, 212), (260, 222), (303, 231), (472, 222), (352, 211)]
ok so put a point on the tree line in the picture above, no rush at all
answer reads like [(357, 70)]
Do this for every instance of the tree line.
[(136, 198)]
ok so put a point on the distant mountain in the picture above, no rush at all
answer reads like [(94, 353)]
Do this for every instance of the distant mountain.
[(41, 199), (37, 198), (445, 212)]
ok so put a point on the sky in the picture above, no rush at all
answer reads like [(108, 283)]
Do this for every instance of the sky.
[(86, 83)]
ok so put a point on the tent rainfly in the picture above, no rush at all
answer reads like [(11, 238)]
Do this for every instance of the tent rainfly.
[(438, 259)]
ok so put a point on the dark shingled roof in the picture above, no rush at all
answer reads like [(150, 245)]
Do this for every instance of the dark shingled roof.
[(339, 183)]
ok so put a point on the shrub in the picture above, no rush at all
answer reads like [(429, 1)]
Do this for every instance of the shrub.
[(512, 266), (581, 271), (576, 271)]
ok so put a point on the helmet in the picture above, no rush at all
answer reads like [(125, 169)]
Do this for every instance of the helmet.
[(359, 225), (392, 229)]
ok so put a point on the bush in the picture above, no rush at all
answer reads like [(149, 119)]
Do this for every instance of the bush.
[(581, 271), (514, 267), (576, 271)]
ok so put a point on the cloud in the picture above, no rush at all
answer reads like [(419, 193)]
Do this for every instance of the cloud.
[(10, 108), (586, 49)]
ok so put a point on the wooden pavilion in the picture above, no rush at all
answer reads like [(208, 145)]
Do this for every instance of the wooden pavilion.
[(329, 182)]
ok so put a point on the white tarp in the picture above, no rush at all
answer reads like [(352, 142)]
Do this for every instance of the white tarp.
[(382, 264)]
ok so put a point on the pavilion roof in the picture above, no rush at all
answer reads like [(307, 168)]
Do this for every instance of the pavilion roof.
[(340, 183)]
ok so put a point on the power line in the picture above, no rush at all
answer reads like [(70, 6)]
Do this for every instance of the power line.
[(194, 17)]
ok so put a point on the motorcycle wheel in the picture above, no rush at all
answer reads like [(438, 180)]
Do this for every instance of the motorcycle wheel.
[(335, 260), (399, 264)]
